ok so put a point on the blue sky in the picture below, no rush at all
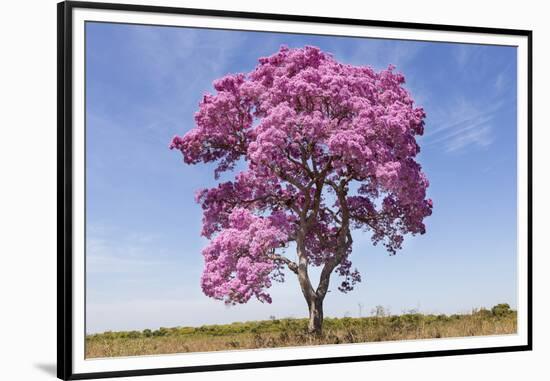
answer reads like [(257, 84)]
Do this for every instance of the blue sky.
[(143, 85)]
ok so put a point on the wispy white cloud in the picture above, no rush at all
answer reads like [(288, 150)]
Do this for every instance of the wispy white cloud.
[(500, 82), (466, 123), (463, 114), (503, 80), (108, 264), (481, 137), (381, 53), (110, 250), (470, 58), (463, 54), (175, 67), (170, 57)]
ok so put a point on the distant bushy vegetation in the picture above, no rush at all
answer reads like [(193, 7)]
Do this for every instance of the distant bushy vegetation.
[(293, 332)]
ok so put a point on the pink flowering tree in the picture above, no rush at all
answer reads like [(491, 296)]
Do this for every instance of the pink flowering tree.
[(329, 149)]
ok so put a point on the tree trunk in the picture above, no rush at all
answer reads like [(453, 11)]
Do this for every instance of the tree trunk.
[(315, 325)]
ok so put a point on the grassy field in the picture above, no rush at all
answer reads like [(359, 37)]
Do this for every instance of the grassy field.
[(293, 332)]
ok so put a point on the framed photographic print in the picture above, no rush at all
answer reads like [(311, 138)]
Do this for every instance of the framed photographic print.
[(240, 190)]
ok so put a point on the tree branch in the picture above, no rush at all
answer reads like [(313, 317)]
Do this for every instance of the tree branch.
[(344, 241), (280, 258), (287, 178)]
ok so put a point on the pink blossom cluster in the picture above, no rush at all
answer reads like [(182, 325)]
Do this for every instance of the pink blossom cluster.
[(237, 260)]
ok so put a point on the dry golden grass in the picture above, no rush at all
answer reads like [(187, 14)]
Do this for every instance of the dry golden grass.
[(292, 332)]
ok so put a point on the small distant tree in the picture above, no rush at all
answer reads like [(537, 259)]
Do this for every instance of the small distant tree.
[(502, 309), (327, 148), (379, 311)]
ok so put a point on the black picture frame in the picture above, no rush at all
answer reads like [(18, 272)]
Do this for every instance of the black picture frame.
[(65, 187)]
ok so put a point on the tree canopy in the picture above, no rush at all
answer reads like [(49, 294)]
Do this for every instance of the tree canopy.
[(329, 148)]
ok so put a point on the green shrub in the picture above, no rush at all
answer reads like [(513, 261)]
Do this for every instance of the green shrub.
[(133, 335), (500, 310), (483, 313), (161, 332)]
